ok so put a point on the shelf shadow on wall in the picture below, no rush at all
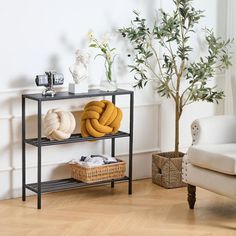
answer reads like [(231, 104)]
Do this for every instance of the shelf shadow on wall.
[(14, 145), (24, 81)]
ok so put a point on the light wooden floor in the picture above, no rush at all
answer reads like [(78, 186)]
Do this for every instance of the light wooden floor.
[(151, 210)]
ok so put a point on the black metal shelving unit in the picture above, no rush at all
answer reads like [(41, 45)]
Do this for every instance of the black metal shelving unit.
[(65, 184)]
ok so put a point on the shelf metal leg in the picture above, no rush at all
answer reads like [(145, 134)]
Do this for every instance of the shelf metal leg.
[(23, 150), (131, 142), (39, 154), (113, 142), (112, 183)]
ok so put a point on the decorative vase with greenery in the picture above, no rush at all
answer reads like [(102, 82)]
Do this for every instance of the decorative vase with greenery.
[(109, 83), (180, 78)]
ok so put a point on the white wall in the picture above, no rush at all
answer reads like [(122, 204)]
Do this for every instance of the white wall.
[(41, 35), (215, 16), (230, 100)]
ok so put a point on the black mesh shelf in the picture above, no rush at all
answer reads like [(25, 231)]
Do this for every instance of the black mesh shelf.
[(74, 139), (39, 142), (67, 95), (67, 184)]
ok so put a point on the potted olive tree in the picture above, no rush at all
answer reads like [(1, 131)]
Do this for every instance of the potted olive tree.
[(183, 80)]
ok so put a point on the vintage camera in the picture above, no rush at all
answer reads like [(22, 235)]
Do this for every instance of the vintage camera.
[(48, 80)]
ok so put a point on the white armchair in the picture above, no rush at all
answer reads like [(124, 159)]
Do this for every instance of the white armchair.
[(210, 162)]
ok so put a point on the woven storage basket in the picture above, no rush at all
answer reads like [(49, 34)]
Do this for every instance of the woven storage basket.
[(167, 170), (99, 173)]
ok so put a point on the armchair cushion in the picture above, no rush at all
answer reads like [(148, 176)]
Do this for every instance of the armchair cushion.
[(216, 157), (211, 180)]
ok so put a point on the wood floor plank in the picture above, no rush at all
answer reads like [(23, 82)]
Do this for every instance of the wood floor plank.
[(103, 211)]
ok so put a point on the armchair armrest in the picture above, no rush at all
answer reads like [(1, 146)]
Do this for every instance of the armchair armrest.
[(214, 129)]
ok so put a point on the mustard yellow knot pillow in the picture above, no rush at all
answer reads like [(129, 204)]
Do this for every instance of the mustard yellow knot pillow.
[(58, 124), (100, 118)]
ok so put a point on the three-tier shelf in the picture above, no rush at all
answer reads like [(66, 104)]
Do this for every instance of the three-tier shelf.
[(65, 184)]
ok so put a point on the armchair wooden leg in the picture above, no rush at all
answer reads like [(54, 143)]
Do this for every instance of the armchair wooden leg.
[(191, 196)]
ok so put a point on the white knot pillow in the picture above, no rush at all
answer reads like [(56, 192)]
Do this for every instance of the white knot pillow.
[(58, 124)]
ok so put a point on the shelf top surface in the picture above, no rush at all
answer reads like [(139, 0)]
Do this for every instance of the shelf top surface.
[(67, 95)]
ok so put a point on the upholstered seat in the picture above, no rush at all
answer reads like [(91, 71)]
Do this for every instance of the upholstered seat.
[(210, 162), (211, 180), (216, 157)]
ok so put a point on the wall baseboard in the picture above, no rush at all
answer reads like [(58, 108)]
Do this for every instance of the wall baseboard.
[(61, 163), (18, 116), (142, 165)]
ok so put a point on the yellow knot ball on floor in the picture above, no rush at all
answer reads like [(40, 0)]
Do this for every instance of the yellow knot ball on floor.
[(58, 124), (100, 118)]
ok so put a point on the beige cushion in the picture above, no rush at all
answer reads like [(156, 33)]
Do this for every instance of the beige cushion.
[(216, 157), (211, 180), (58, 124)]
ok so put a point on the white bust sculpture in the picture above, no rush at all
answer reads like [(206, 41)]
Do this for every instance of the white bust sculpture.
[(79, 72), (79, 69)]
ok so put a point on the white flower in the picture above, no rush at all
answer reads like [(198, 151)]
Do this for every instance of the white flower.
[(90, 35), (106, 38), (108, 55)]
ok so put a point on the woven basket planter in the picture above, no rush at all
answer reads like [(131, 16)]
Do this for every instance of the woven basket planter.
[(167, 170), (99, 173)]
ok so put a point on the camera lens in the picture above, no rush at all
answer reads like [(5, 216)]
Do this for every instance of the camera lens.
[(41, 80), (58, 79)]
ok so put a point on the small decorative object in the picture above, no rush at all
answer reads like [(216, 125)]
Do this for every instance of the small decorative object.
[(167, 170), (98, 173), (79, 72), (100, 118), (58, 124), (94, 160), (177, 77), (48, 80), (109, 83)]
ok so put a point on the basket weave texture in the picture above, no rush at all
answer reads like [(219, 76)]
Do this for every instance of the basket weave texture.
[(167, 170), (99, 173)]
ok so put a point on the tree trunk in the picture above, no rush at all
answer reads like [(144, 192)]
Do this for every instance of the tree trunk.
[(177, 116)]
